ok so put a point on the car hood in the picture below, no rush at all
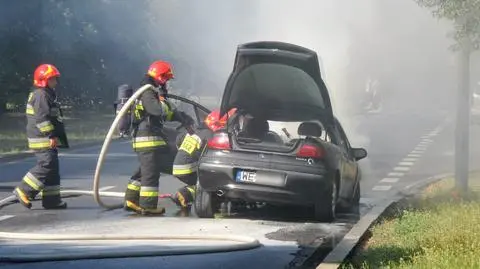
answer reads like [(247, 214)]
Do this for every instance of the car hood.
[(279, 81)]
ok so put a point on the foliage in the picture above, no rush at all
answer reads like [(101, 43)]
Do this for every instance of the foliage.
[(464, 13), (439, 229), (86, 40)]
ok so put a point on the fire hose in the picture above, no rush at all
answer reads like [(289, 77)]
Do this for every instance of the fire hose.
[(241, 242)]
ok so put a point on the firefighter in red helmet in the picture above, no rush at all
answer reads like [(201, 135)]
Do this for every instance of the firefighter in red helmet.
[(190, 147), (44, 128), (151, 110)]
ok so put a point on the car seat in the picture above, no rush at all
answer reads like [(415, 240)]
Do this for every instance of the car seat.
[(310, 129), (259, 128)]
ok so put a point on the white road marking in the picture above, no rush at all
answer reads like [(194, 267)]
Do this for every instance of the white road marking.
[(2, 218), (389, 180), (406, 163), (106, 188), (421, 147), (401, 168), (381, 188), (449, 153)]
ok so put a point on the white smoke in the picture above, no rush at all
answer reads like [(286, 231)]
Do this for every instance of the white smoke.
[(396, 41)]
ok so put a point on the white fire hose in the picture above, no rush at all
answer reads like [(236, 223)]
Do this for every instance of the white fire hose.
[(240, 242)]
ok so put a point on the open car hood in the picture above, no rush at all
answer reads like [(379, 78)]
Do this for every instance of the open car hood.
[(279, 81)]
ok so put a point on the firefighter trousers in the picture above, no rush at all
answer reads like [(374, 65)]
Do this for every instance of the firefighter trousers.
[(142, 188), (44, 177)]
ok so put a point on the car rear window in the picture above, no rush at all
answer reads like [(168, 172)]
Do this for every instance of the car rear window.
[(276, 85)]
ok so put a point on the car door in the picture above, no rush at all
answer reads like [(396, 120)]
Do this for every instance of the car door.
[(349, 166), (172, 129)]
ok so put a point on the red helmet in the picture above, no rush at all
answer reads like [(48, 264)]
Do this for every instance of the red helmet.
[(214, 122), (160, 71), (43, 73)]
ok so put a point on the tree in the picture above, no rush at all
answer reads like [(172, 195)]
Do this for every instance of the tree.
[(91, 42), (465, 15)]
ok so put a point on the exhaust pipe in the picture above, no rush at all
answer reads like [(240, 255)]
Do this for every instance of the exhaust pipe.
[(220, 193)]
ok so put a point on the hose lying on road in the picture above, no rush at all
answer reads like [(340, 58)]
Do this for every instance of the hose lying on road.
[(242, 242), (68, 193)]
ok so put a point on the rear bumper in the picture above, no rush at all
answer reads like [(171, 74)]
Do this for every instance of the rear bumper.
[(295, 189)]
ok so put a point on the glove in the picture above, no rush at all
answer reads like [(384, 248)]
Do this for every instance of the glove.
[(53, 143)]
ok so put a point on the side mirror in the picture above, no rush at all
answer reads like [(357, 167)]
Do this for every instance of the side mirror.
[(359, 153)]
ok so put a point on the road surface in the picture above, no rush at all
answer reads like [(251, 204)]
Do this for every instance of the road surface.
[(403, 149)]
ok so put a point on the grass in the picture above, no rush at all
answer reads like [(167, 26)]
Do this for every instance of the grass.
[(438, 229), (83, 128)]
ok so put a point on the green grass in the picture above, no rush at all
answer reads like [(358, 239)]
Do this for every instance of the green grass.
[(438, 229), (80, 129)]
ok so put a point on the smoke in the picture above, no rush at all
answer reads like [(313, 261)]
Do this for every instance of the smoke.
[(394, 41)]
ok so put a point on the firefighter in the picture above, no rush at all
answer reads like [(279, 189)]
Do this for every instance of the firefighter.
[(151, 110), (190, 147), (44, 129)]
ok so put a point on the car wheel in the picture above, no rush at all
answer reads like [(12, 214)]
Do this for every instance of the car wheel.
[(326, 206), (206, 203)]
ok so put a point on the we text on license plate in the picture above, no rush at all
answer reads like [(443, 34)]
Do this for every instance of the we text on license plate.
[(246, 176)]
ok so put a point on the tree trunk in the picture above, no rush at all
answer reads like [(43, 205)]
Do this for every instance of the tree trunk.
[(462, 134)]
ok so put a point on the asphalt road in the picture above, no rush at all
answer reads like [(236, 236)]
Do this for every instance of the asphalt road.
[(403, 149)]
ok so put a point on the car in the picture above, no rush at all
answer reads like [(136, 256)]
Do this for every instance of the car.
[(306, 161)]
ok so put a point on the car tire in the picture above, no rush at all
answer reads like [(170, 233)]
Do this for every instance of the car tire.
[(326, 206), (206, 203)]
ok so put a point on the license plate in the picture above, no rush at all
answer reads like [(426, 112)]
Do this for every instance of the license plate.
[(246, 176)]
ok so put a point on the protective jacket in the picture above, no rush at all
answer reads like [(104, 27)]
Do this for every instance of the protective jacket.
[(149, 115), (44, 119), (190, 148)]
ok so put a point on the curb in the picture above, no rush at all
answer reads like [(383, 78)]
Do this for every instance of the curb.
[(8, 157), (343, 249)]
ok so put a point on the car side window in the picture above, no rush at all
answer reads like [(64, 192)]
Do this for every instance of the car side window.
[(343, 141)]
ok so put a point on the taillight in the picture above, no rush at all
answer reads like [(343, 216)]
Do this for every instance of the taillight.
[(310, 151), (219, 141)]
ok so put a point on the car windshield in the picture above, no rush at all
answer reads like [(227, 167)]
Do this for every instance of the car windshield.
[(280, 92)]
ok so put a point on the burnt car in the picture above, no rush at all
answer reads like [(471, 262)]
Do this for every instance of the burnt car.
[(283, 146)]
